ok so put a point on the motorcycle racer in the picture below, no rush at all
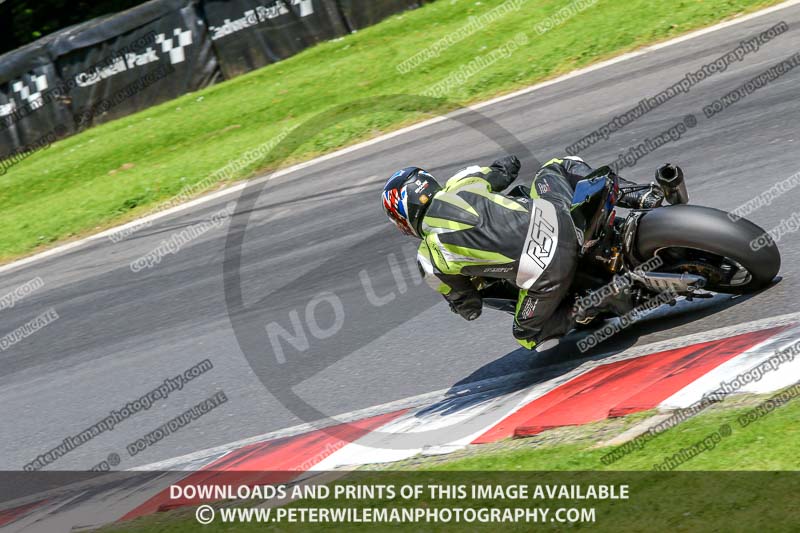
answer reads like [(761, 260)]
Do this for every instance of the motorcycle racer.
[(470, 230)]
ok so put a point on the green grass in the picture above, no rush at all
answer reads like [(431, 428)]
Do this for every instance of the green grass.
[(708, 498), (124, 168), (768, 444)]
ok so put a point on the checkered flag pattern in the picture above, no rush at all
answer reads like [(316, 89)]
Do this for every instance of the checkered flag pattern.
[(32, 97), (183, 38)]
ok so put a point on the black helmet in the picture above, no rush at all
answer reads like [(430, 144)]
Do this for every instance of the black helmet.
[(406, 196)]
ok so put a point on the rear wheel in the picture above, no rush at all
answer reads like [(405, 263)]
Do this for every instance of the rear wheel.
[(705, 241)]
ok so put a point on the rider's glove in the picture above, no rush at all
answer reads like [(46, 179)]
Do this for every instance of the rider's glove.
[(510, 164)]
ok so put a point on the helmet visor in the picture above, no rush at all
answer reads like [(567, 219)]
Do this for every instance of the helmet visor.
[(394, 204)]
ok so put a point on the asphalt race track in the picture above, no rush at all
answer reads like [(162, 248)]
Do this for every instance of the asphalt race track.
[(316, 237)]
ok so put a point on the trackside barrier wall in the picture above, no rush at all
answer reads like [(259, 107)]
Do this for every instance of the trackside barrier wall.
[(25, 74), (248, 34), (141, 57), (359, 14), (113, 66)]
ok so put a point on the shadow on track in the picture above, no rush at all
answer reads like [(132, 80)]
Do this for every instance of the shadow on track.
[(560, 359)]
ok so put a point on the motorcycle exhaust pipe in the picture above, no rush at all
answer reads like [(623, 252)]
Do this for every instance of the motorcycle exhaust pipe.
[(670, 179), (662, 281)]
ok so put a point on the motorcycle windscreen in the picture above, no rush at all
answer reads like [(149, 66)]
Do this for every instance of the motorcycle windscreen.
[(591, 203)]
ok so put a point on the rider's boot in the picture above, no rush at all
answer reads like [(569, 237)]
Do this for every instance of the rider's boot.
[(617, 303)]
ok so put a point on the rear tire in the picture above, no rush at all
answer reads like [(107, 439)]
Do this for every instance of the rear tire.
[(667, 231)]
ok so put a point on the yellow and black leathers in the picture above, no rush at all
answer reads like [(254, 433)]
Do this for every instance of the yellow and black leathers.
[(471, 230)]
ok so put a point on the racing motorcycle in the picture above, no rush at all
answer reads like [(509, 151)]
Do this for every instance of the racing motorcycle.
[(697, 249)]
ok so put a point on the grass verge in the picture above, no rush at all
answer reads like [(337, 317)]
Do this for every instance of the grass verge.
[(125, 168), (764, 445), (701, 494)]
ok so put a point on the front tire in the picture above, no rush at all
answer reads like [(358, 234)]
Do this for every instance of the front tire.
[(706, 241)]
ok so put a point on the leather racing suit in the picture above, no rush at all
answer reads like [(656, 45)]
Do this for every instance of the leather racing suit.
[(470, 229)]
